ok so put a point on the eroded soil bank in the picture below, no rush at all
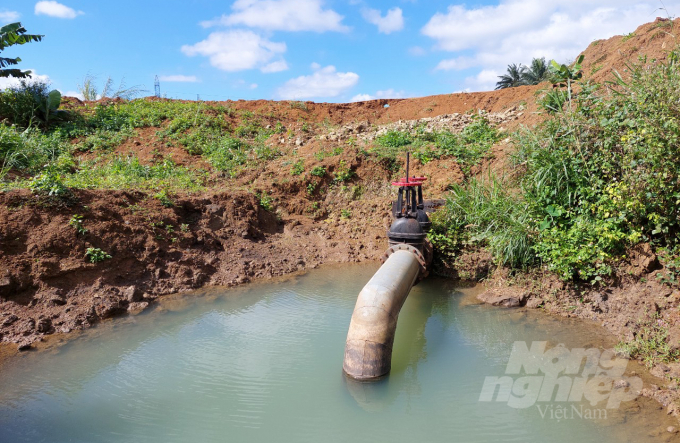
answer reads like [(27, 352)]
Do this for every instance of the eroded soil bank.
[(48, 286)]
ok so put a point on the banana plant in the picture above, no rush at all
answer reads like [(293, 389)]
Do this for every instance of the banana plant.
[(10, 35), (563, 76), (47, 104)]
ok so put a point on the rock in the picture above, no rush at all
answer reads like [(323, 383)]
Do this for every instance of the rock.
[(11, 319), (534, 302), (136, 308), (24, 345), (642, 260), (44, 325), (505, 298), (132, 294), (671, 429), (621, 384)]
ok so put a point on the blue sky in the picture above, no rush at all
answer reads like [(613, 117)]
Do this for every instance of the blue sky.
[(320, 50)]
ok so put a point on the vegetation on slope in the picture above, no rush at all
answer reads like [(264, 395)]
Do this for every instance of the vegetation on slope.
[(597, 177)]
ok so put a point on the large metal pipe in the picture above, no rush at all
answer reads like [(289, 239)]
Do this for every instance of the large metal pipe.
[(368, 350)]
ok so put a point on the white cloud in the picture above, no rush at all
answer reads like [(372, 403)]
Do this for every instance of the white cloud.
[(277, 66), (6, 82), (73, 94), (393, 20), (515, 31), (9, 16), (324, 82), (282, 15), (55, 9), (416, 51), (179, 78), (388, 93), (484, 81), (237, 50)]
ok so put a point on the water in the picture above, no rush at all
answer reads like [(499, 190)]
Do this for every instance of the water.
[(263, 363)]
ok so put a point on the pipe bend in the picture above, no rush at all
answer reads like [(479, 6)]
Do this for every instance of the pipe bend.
[(368, 349)]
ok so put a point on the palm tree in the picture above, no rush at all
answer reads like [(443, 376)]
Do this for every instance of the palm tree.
[(513, 78), (536, 72)]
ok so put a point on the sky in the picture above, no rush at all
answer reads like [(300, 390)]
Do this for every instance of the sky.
[(319, 50)]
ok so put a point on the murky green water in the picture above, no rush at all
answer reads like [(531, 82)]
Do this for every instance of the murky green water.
[(263, 363)]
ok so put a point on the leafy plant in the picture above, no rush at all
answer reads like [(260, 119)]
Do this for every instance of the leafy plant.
[(266, 201), (164, 199), (49, 183), (318, 171), (10, 35), (77, 223), (96, 255), (298, 168), (343, 172)]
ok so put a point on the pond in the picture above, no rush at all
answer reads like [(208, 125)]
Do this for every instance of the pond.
[(264, 363)]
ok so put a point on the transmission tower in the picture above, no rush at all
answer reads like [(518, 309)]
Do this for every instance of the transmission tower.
[(157, 87)]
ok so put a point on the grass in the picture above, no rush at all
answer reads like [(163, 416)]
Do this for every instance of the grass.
[(650, 344), (468, 147)]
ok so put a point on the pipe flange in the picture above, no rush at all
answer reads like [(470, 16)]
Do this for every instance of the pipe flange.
[(405, 247)]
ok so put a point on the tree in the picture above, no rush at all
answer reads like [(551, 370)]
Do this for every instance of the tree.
[(10, 35), (512, 78), (536, 73)]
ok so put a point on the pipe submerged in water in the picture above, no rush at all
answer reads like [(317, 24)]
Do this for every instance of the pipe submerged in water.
[(368, 349)]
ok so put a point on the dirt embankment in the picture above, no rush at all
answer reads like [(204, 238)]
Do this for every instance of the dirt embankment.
[(47, 285)]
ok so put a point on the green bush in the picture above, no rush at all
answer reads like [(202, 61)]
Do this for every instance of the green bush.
[(29, 104), (596, 178)]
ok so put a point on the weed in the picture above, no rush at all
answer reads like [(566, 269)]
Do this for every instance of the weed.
[(49, 183), (627, 37), (266, 202), (318, 171), (651, 343), (77, 223), (343, 172), (96, 255), (298, 168), (345, 214), (164, 199), (298, 105), (311, 187)]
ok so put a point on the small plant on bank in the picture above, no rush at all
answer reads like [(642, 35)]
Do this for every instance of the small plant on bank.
[(345, 214), (77, 223), (343, 173), (311, 187), (96, 255), (49, 183), (164, 199), (318, 171), (650, 344), (298, 168), (266, 202)]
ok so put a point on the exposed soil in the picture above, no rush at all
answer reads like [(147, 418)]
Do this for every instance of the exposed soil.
[(225, 237)]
